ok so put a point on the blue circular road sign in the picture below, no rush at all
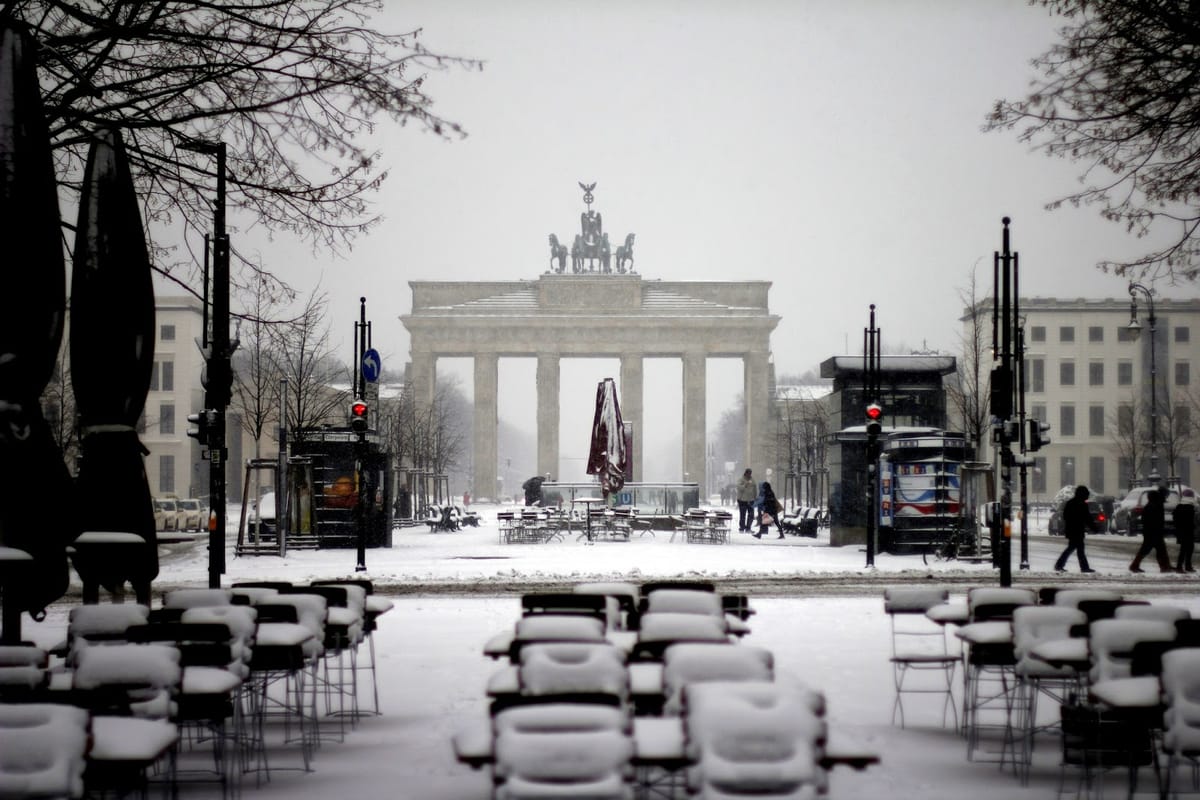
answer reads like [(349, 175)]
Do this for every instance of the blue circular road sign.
[(372, 365)]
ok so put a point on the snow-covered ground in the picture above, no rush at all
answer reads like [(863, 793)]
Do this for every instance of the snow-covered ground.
[(819, 610)]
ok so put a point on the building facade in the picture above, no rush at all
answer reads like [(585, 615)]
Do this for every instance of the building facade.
[(1088, 375)]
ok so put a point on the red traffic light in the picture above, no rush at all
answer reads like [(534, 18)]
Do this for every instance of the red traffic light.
[(358, 416), (358, 409), (874, 412)]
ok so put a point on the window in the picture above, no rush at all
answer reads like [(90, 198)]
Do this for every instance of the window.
[(1125, 335), (154, 377), (1182, 420), (1124, 373), (1124, 420), (1096, 474), (1066, 420), (1037, 375), (166, 419), (1038, 412), (1037, 333), (168, 376), (1066, 333), (1095, 333), (1039, 475), (1066, 468), (1095, 420), (166, 474), (1183, 334), (1095, 373), (1066, 373), (166, 333), (1183, 375)]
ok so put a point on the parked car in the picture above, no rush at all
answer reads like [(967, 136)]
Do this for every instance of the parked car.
[(1099, 518), (166, 514), (1127, 516), (191, 515)]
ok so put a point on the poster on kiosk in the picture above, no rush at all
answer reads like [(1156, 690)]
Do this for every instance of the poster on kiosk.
[(885, 492)]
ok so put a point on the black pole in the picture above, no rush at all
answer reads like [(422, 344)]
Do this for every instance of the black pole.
[(870, 395), (360, 521), (219, 388), (1006, 458)]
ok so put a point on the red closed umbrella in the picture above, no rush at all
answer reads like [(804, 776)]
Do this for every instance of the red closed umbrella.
[(607, 455)]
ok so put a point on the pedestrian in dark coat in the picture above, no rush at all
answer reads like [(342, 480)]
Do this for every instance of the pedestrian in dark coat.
[(1153, 522), (747, 491), (1184, 517), (1077, 520), (766, 503)]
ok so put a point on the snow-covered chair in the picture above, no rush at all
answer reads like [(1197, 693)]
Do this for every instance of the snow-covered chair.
[(1181, 719), (1112, 642), (1033, 626), (627, 595), (24, 672), (685, 664), (753, 739), (42, 749), (657, 632), (374, 606), (919, 645), (1160, 612), (130, 690), (699, 601), (1073, 597), (101, 624)]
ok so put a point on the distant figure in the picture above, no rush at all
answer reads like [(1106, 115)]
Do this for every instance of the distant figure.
[(1184, 517), (747, 491), (768, 509), (466, 499), (533, 490), (1153, 522), (1077, 519)]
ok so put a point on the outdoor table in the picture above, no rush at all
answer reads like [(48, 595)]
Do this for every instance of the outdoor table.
[(587, 502)]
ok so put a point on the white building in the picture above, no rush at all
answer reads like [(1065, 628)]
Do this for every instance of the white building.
[(1087, 373)]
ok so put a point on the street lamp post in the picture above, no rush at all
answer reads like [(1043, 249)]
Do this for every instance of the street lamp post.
[(1135, 328)]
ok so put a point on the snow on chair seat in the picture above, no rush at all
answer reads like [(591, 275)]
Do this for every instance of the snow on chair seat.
[(541, 764), (42, 748), (658, 631), (686, 664), (752, 739)]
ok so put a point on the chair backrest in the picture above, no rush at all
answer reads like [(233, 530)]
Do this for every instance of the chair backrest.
[(23, 672), (703, 586), (1181, 695), (682, 601), (42, 747), (1111, 642), (913, 599), (759, 740), (1073, 597), (694, 662), (627, 594), (567, 668), (658, 631), (1033, 624), (191, 598), (101, 624), (559, 764), (1163, 613), (587, 605), (128, 679), (993, 603), (1104, 609)]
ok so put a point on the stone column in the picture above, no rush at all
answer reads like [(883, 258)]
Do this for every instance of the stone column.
[(487, 376), (632, 407), (422, 373), (695, 390), (756, 380), (547, 414)]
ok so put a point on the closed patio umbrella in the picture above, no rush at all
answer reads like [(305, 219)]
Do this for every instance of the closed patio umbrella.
[(607, 455), (35, 488), (112, 354)]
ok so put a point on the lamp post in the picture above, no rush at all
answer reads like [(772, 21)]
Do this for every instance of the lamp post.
[(1135, 328)]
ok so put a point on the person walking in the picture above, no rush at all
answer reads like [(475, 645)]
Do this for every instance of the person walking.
[(767, 504), (1077, 519), (1153, 522), (1184, 517), (747, 491)]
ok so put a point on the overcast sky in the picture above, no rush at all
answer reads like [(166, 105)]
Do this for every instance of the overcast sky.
[(833, 148)]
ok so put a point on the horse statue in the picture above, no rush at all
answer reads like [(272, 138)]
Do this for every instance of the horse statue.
[(625, 255), (558, 252)]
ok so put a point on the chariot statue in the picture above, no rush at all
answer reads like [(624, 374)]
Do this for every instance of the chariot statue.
[(590, 251)]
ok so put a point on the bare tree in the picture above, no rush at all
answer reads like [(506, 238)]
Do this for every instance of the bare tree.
[(58, 409), (429, 436), (255, 371), (1117, 93), (1176, 430), (293, 89), (1131, 433), (300, 351), (969, 392)]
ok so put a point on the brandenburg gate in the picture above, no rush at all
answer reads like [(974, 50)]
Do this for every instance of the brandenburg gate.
[(596, 309)]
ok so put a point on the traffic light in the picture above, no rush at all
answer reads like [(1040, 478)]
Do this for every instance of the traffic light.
[(358, 416), (198, 426), (1039, 434), (874, 419)]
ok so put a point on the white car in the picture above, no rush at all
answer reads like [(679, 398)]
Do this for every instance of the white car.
[(191, 515)]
